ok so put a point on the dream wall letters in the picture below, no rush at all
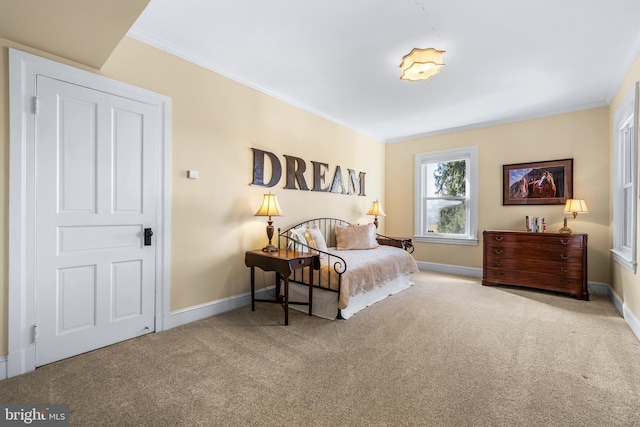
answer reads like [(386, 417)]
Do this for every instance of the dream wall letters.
[(295, 175)]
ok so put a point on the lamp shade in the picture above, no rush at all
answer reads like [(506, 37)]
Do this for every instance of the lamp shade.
[(376, 209), (421, 64), (269, 206), (575, 206)]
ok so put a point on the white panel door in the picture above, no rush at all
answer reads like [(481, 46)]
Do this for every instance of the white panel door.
[(96, 192)]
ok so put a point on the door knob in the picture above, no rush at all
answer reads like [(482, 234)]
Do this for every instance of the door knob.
[(147, 236)]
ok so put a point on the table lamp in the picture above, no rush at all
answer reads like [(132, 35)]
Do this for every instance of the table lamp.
[(375, 210), (573, 206), (269, 207)]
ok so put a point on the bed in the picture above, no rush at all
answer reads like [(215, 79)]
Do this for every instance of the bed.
[(359, 267)]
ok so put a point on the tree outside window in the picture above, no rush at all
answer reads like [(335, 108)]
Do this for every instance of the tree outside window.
[(450, 182), (445, 196)]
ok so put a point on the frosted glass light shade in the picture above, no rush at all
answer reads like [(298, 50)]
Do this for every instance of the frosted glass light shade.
[(421, 64)]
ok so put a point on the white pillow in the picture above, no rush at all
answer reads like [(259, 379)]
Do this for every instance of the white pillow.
[(315, 239), (356, 237), (297, 235)]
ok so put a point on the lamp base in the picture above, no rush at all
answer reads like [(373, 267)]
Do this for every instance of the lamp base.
[(270, 247), (565, 229)]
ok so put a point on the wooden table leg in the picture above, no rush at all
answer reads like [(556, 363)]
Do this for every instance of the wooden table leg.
[(286, 300), (253, 289), (310, 290), (278, 279)]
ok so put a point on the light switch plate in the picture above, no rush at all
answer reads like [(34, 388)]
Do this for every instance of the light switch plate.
[(192, 174)]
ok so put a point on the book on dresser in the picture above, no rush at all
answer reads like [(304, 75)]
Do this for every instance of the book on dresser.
[(550, 261)]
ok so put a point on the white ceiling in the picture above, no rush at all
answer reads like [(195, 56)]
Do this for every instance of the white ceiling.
[(506, 60)]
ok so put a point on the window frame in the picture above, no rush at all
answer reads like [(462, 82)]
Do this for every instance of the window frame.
[(470, 155), (625, 179)]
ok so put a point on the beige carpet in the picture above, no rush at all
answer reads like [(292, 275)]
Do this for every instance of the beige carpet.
[(447, 352)]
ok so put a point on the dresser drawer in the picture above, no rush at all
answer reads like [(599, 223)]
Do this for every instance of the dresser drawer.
[(559, 268), (533, 252), (544, 281), (537, 239)]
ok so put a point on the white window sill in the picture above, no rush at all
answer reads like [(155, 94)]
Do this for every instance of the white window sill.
[(447, 240), (624, 261)]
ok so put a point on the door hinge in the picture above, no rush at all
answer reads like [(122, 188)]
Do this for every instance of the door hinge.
[(35, 333), (35, 105)]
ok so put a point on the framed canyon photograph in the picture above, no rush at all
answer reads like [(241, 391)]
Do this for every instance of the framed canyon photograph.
[(537, 183)]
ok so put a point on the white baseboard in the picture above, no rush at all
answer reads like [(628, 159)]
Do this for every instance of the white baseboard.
[(616, 300), (450, 269), (3, 368), (599, 288), (627, 315), (198, 312), (631, 320)]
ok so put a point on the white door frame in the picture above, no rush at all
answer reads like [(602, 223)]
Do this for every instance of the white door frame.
[(23, 69)]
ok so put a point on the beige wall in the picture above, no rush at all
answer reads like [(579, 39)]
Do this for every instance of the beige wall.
[(215, 122), (625, 283), (582, 136)]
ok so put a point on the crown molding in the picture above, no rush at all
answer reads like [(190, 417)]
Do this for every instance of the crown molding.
[(189, 56), (505, 121)]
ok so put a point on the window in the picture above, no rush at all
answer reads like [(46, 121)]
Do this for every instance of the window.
[(446, 196), (625, 182)]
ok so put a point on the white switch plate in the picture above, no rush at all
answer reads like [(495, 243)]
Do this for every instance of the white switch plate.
[(192, 174)]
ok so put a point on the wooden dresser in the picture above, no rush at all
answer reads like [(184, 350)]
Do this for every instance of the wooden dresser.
[(551, 261)]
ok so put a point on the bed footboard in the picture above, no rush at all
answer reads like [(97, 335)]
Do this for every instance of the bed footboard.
[(332, 266)]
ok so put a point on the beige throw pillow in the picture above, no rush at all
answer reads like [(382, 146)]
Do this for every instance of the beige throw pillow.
[(298, 235), (315, 239), (356, 237)]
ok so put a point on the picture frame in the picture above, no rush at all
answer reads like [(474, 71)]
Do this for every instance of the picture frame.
[(548, 182)]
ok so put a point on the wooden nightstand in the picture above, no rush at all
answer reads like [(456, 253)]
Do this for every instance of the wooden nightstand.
[(282, 262)]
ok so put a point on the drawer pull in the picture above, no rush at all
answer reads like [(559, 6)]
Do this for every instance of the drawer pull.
[(563, 256), (564, 270), (498, 263), (498, 238), (498, 251), (565, 242)]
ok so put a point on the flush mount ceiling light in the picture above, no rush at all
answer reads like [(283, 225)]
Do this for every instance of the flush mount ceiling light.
[(421, 64)]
